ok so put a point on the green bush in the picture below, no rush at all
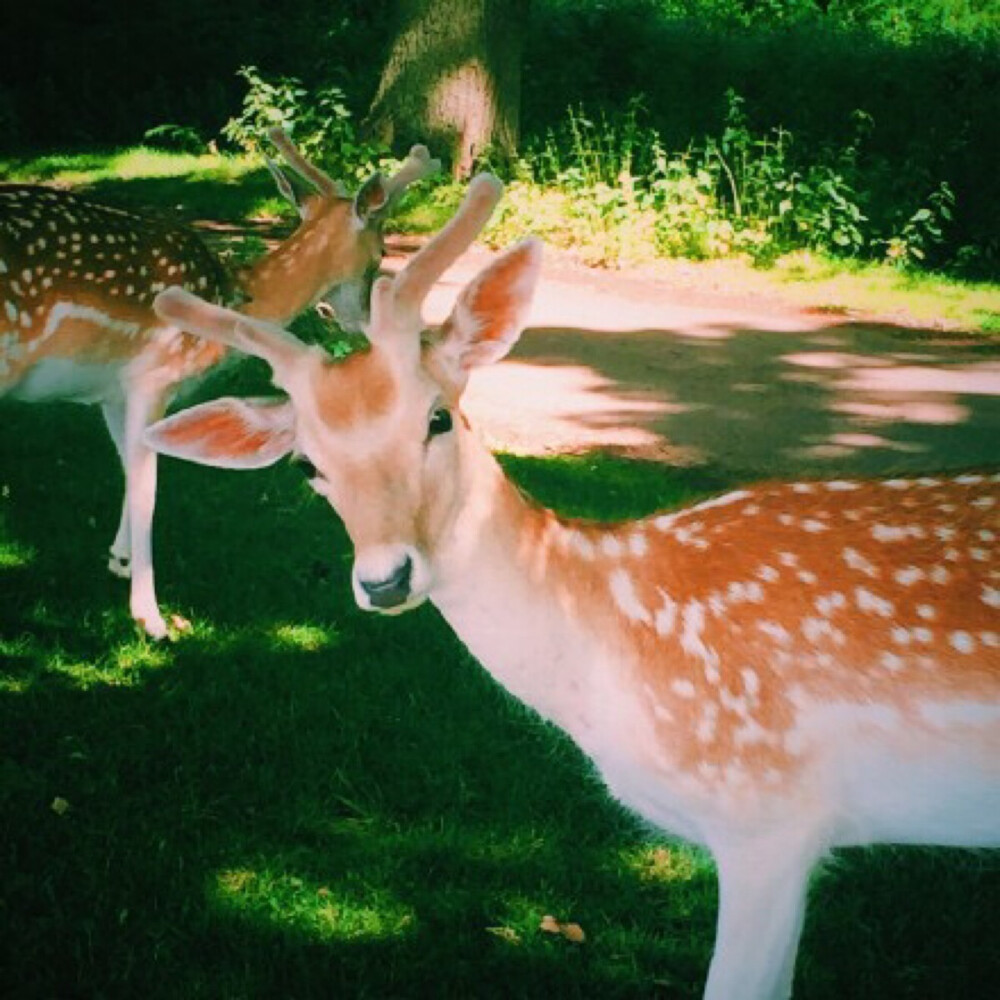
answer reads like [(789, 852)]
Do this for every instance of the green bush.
[(609, 188)]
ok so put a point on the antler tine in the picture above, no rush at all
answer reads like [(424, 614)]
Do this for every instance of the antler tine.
[(263, 340), (319, 180), (283, 184), (416, 279), (417, 165)]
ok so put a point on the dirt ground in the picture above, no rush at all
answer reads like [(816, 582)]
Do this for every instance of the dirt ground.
[(633, 364)]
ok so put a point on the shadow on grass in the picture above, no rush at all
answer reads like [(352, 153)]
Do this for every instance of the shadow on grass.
[(301, 800)]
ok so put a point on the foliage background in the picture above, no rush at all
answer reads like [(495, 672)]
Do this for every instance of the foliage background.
[(927, 72)]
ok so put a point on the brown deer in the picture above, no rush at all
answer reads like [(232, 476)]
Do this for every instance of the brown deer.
[(771, 673), (77, 283)]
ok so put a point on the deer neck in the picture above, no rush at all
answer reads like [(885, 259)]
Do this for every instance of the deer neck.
[(292, 277), (524, 590)]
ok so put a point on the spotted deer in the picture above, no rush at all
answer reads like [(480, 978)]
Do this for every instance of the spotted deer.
[(77, 283), (771, 673)]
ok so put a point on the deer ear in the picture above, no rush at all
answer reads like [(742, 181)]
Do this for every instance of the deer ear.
[(372, 199), (491, 312), (228, 433)]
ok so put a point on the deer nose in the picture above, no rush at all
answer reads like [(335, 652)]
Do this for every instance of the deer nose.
[(391, 591)]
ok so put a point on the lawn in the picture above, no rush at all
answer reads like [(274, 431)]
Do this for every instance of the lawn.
[(296, 799)]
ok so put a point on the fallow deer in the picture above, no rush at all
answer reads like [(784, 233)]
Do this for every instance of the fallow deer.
[(77, 283), (771, 673)]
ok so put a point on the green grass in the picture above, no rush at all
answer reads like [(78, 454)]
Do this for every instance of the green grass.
[(298, 799)]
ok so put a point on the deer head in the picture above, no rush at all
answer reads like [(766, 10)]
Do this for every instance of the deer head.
[(381, 433), (338, 246)]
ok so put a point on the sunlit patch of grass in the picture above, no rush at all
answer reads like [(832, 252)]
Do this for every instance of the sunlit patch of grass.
[(308, 638), (14, 555), (818, 281), (128, 164), (659, 863), (293, 903), (24, 649)]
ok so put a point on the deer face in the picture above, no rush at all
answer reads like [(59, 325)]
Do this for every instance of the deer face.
[(380, 434), (334, 256), (380, 439)]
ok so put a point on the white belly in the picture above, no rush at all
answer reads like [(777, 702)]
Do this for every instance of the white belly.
[(64, 379)]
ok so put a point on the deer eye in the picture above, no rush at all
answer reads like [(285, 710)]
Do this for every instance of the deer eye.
[(440, 422)]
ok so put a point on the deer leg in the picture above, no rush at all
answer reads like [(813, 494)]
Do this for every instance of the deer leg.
[(120, 561), (145, 402), (762, 897)]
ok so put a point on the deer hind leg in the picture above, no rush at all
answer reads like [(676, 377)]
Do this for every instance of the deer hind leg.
[(762, 898), (120, 557), (145, 402)]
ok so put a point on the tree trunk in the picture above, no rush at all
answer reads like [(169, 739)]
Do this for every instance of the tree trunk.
[(453, 79)]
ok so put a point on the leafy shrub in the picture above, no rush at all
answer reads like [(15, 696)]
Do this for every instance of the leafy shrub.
[(318, 118), (610, 189)]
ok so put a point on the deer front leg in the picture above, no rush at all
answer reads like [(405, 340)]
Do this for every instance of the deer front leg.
[(120, 559), (762, 897), (145, 402)]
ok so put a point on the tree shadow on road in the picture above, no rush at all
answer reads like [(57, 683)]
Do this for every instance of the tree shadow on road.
[(847, 398)]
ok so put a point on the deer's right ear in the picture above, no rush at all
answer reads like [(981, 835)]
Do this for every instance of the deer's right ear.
[(228, 433), (491, 312), (372, 199)]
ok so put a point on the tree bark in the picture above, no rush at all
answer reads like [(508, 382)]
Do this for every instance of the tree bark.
[(453, 79)]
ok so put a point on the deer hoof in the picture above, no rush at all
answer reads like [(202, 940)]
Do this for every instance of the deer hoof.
[(155, 628)]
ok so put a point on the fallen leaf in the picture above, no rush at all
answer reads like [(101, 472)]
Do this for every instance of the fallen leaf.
[(572, 932), (59, 806)]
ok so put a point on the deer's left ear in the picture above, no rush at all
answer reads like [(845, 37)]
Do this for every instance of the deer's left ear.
[(372, 199), (490, 314), (228, 433)]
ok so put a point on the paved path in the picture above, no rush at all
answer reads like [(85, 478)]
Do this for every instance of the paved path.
[(633, 365)]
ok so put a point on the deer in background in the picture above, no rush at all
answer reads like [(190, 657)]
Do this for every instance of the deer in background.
[(771, 673), (77, 283)]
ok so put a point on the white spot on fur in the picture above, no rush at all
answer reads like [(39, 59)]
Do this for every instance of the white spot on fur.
[(611, 546), (705, 730), (926, 612), (892, 662), (721, 501), (962, 642), (683, 688), (909, 575), (775, 631), (637, 544), (990, 596), (826, 604), (856, 561), (623, 591), (750, 681), (666, 615), (867, 601), (840, 485)]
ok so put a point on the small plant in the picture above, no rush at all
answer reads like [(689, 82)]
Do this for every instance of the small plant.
[(923, 230), (319, 119)]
